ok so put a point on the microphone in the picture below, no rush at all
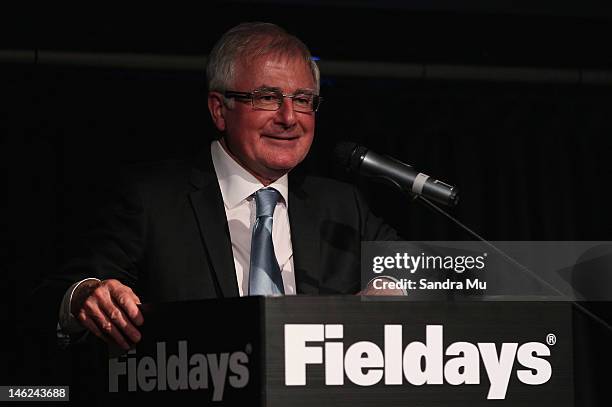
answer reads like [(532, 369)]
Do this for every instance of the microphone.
[(360, 160)]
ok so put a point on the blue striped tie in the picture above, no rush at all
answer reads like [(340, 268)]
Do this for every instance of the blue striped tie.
[(264, 275)]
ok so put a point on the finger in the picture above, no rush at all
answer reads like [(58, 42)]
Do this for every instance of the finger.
[(126, 313), (101, 319), (122, 321), (128, 302), (90, 325), (109, 295)]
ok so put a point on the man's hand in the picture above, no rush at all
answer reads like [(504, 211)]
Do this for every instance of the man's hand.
[(110, 310), (370, 289)]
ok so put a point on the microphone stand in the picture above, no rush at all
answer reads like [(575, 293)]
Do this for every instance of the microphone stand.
[(426, 202)]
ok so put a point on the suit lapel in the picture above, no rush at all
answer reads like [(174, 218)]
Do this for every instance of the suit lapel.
[(303, 218), (209, 211), (208, 208)]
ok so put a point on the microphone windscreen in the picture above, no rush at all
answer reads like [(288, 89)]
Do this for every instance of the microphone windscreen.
[(343, 153), (349, 155)]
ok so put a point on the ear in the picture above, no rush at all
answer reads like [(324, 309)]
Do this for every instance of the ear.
[(216, 107)]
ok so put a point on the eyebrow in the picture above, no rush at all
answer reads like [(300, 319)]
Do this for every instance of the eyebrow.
[(277, 89)]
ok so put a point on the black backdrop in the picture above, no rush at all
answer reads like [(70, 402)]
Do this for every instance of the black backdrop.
[(532, 160)]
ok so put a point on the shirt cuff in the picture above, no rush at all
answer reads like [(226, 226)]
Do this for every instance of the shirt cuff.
[(68, 324)]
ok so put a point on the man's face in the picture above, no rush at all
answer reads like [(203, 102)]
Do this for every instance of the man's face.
[(268, 143)]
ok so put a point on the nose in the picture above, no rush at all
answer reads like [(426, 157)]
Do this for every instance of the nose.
[(285, 114)]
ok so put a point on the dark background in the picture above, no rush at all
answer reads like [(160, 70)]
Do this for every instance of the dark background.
[(530, 155)]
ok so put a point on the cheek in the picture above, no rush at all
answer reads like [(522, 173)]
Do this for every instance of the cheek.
[(301, 149), (307, 141), (243, 133), (309, 130)]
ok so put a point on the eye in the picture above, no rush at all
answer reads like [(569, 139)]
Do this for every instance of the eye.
[(302, 100), (266, 97)]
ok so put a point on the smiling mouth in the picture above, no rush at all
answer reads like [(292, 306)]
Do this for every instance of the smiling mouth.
[(281, 137)]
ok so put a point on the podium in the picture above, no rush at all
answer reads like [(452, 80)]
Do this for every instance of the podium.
[(349, 350)]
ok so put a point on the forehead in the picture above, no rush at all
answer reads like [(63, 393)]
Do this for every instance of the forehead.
[(284, 72)]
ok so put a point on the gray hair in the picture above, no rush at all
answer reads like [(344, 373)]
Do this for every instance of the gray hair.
[(252, 40)]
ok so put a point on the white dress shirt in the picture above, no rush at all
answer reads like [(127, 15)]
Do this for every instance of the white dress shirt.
[(237, 188)]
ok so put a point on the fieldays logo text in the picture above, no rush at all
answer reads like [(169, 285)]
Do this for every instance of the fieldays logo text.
[(364, 363), (180, 372)]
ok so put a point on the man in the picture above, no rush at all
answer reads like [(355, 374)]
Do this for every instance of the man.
[(183, 231)]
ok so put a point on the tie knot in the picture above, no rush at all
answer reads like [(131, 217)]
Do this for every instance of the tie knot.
[(265, 201)]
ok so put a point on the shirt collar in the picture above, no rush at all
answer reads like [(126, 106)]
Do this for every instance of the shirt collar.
[(236, 183)]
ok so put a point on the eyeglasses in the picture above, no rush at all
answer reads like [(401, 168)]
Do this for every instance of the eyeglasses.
[(268, 99)]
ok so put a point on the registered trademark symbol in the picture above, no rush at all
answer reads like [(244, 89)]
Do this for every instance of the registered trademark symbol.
[(551, 339), (248, 349), (486, 254)]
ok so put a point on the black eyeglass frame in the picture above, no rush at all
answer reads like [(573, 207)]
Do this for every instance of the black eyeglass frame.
[(316, 99)]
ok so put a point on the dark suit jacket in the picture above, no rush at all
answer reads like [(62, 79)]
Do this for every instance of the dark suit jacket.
[(167, 237)]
